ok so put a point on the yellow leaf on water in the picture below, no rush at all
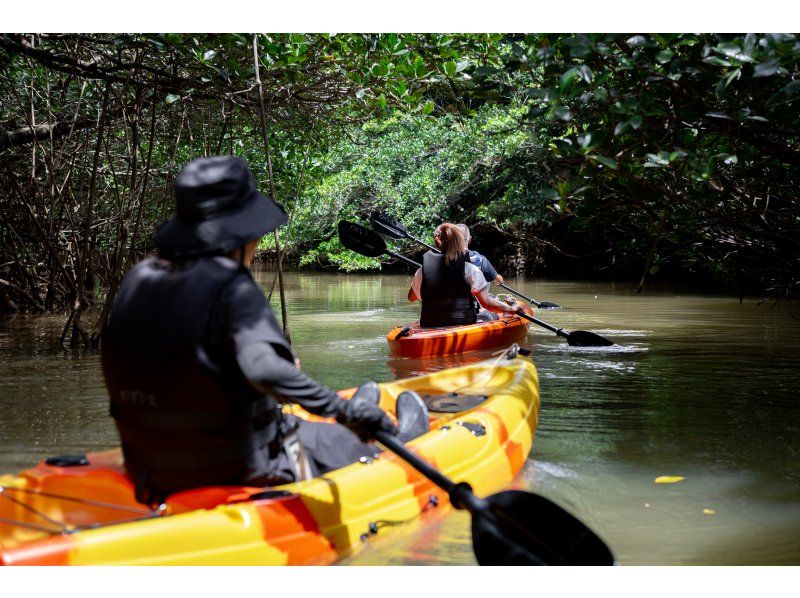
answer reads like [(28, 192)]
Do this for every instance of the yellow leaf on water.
[(668, 479), (708, 511)]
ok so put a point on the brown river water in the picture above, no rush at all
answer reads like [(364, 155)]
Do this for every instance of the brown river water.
[(699, 386)]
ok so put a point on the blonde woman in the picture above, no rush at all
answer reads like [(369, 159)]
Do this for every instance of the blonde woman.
[(448, 284)]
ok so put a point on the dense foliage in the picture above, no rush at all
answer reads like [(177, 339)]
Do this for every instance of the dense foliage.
[(94, 127), (681, 148), (632, 155), (422, 171)]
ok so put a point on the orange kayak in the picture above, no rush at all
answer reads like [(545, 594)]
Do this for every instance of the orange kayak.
[(414, 341)]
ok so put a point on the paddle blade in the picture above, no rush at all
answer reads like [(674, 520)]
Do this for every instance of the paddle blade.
[(360, 239), (386, 225), (548, 305), (523, 528), (582, 338)]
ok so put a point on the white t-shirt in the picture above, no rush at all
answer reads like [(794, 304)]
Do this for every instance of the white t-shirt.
[(473, 275)]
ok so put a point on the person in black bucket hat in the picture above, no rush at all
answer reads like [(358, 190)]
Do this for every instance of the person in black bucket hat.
[(218, 209), (197, 367)]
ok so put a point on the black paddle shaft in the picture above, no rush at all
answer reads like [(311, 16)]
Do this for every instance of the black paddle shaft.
[(394, 229), (539, 304)]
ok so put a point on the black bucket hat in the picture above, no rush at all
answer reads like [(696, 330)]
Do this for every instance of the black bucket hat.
[(217, 209)]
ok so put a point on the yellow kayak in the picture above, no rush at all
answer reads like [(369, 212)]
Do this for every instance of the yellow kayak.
[(82, 511)]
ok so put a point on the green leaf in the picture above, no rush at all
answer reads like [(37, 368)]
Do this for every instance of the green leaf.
[(664, 56), (767, 69), (622, 127), (567, 78), (723, 83), (450, 68), (636, 121), (729, 49), (609, 162), (172, 98), (638, 40), (209, 54), (716, 60), (658, 159), (428, 107)]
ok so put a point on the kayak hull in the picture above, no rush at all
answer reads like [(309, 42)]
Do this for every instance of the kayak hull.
[(414, 341), (87, 515)]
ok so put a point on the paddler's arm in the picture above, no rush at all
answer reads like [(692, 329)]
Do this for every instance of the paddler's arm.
[(480, 288), (416, 285), (271, 373), (245, 323), (492, 304)]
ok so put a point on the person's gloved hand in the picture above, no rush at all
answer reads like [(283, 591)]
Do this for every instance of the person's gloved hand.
[(362, 415)]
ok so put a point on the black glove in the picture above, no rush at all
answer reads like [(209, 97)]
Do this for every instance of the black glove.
[(362, 415)]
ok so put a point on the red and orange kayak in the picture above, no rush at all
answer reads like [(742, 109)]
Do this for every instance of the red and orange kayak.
[(82, 511), (414, 341)]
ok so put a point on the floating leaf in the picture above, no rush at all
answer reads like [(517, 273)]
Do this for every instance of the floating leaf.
[(709, 511), (668, 479)]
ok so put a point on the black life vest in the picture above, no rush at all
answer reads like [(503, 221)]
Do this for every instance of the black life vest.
[(184, 411), (447, 298)]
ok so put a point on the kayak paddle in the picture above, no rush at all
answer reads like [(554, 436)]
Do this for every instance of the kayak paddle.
[(370, 244), (514, 527), (394, 229)]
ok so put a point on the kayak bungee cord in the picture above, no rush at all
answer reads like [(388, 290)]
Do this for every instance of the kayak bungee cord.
[(33, 526), (63, 528), (85, 501), (507, 353), (375, 526)]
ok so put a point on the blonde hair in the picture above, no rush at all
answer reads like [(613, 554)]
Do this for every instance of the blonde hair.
[(450, 241)]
